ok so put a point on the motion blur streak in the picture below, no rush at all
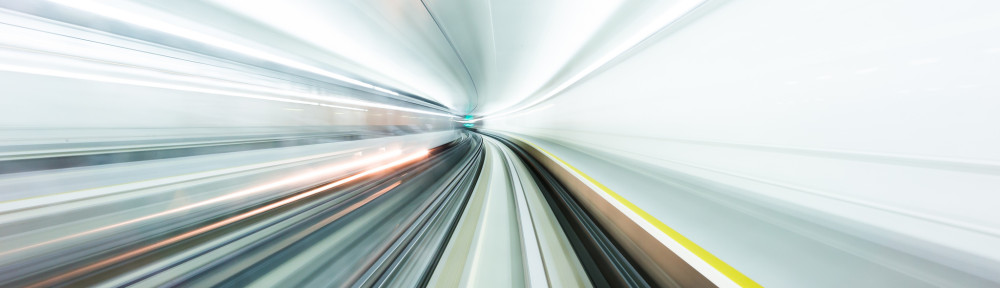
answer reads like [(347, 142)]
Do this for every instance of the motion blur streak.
[(92, 77), (141, 20), (514, 143), (258, 189), (245, 215)]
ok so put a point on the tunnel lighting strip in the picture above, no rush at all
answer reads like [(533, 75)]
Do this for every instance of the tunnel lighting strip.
[(108, 11), (116, 80), (671, 16), (234, 219), (154, 84)]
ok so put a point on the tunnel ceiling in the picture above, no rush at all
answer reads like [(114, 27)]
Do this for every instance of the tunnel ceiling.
[(476, 57)]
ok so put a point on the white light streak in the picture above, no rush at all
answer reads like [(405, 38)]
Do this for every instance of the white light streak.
[(105, 10), (153, 84)]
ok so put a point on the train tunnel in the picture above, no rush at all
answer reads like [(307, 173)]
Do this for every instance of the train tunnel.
[(499, 143)]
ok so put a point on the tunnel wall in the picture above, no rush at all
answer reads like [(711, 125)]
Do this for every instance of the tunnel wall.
[(877, 119), (65, 84)]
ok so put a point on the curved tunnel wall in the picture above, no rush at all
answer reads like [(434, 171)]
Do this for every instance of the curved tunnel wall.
[(874, 119), (865, 128), (66, 85)]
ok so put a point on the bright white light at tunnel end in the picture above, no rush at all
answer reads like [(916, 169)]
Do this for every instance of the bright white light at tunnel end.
[(664, 20)]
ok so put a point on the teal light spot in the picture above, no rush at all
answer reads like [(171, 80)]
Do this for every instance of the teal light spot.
[(468, 117), (469, 125)]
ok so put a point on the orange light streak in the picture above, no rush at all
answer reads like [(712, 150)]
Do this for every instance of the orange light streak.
[(248, 214), (241, 193)]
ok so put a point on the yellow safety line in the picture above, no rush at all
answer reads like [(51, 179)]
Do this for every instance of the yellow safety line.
[(715, 262)]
